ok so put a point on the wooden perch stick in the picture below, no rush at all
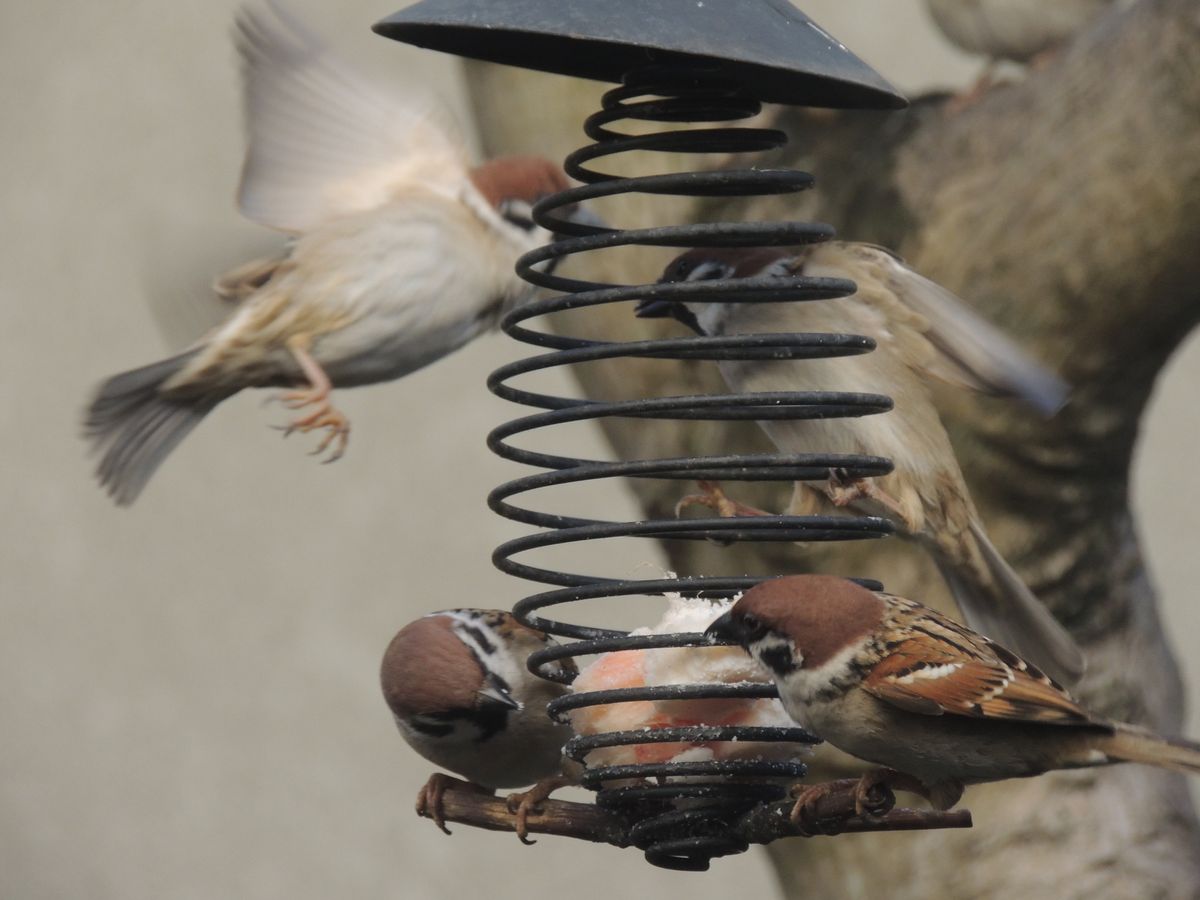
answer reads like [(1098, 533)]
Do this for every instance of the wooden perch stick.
[(765, 823)]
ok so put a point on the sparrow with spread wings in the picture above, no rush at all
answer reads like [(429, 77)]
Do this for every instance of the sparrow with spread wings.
[(400, 252)]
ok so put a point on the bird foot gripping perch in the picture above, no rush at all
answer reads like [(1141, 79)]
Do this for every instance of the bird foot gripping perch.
[(432, 797), (821, 808), (522, 803), (431, 800), (832, 809)]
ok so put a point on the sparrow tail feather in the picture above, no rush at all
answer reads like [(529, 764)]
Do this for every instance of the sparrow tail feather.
[(135, 426), (998, 604), (1132, 744)]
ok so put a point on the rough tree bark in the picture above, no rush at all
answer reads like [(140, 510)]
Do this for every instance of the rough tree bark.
[(1067, 208)]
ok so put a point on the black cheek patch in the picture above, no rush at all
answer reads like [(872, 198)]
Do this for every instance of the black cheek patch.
[(778, 659), (490, 719), (430, 726)]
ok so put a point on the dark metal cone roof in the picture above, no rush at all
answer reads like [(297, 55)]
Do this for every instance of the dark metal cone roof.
[(780, 54)]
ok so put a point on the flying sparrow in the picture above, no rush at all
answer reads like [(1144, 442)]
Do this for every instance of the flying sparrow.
[(1017, 30), (922, 332), (400, 253), (895, 683), (462, 697)]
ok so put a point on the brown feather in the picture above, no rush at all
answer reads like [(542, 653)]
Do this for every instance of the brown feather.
[(941, 667), (525, 178), (428, 669), (821, 613)]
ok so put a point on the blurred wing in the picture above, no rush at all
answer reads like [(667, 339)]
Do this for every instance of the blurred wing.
[(943, 669), (324, 141), (972, 352)]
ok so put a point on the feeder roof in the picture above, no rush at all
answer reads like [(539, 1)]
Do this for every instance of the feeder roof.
[(775, 50)]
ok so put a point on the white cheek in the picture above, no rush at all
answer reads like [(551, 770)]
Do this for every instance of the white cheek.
[(795, 690), (800, 689)]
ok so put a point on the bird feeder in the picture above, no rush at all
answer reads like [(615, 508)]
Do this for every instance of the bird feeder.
[(675, 61)]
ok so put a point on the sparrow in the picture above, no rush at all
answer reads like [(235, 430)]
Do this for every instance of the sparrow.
[(462, 697), (940, 706), (1016, 30), (922, 332), (400, 252)]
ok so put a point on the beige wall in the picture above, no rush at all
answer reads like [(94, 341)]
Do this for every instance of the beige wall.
[(189, 703)]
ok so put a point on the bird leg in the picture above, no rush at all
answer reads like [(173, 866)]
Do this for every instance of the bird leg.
[(429, 798), (317, 394), (806, 814), (522, 803), (873, 796), (712, 496), (843, 490), (866, 795)]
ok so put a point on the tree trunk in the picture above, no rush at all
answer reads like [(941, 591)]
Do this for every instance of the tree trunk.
[(1066, 208)]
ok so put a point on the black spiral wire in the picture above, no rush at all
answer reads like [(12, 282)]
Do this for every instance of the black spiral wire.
[(679, 824)]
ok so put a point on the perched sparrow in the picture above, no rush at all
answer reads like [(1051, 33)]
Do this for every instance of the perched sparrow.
[(462, 697), (922, 332), (401, 253), (1012, 29), (895, 683), (672, 666)]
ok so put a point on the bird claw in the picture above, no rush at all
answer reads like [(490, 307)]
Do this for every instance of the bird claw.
[(429, 799), (339, 430), (714, 497), (298, 399), (522, 803), (843, 490), (873, 797), (881, 784), (433, 792), (318, 394), (804, 815), (327, 416)]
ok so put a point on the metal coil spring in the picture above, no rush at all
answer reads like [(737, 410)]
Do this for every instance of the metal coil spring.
[(673, 834)]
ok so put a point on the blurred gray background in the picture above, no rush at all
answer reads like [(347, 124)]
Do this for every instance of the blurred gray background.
[(189, 700)]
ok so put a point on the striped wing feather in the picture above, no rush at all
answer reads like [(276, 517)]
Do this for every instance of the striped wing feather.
[(941, 668)]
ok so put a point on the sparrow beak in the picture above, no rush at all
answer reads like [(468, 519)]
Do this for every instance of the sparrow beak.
[(662, 309), (656, 309), (494, 696), (726, 630)]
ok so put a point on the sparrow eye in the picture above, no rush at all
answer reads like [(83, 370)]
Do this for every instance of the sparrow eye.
[(753, 626), (680, 271)]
